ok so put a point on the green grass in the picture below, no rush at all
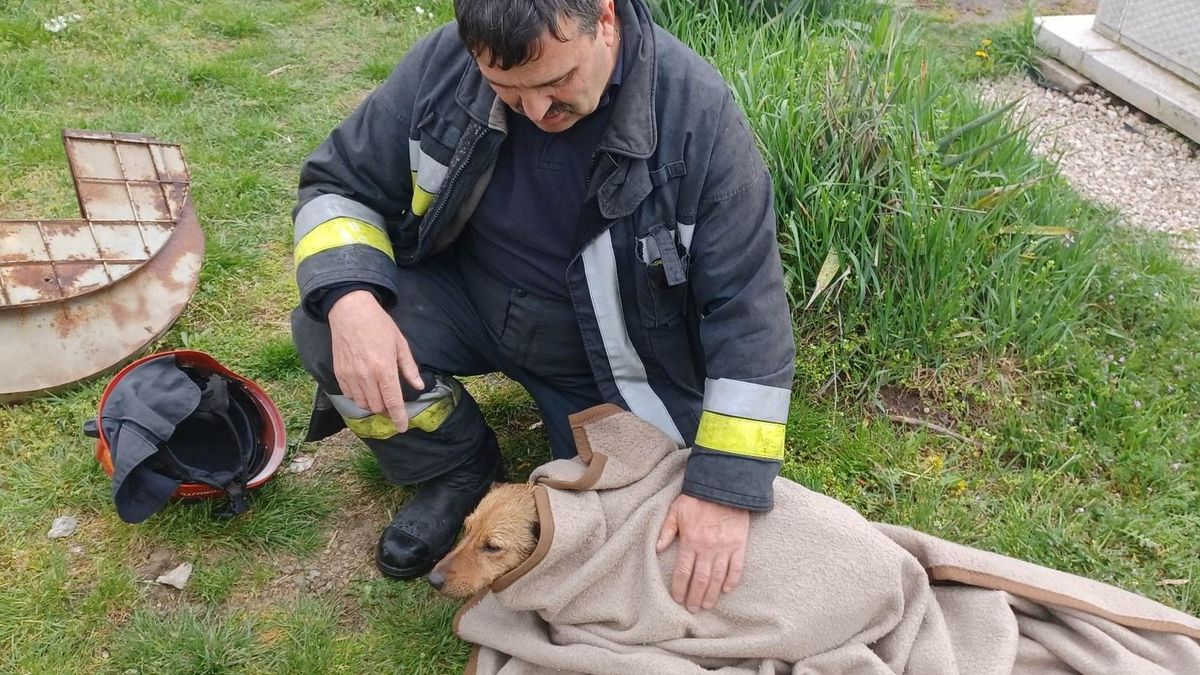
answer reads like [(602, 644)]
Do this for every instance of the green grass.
[(967, 273)]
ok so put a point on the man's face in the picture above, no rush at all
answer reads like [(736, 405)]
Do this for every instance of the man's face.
[(564, 84)]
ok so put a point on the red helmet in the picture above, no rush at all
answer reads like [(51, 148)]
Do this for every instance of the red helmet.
[(158, 397)]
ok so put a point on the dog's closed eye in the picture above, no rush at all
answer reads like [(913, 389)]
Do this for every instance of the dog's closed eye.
[(490, 547)]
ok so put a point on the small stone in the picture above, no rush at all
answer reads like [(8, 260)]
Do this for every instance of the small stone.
[(288, 569), (177, 577), (63, 526), (301, 463), (313, 574)]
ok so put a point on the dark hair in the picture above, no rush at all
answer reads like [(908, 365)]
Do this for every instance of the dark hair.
[(508, 30)]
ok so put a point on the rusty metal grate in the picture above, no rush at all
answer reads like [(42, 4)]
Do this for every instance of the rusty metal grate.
[(131, 194)]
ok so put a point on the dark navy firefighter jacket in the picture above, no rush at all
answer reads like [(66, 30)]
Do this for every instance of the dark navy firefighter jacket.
[(676, 280)]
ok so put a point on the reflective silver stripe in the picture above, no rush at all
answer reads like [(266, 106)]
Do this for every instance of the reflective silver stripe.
[(685, 235), (348, 408), (414, 154), (649, 245), (430, 172), (748, 400), (600, 267), (649, 249), (327, 207)]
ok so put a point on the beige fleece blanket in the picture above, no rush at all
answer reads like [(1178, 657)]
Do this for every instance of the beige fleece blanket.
[(825, 591)]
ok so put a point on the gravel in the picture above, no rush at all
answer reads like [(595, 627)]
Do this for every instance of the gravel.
[(1116, 156)]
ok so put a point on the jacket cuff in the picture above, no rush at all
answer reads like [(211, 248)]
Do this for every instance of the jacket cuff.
[(738, 481), (354, 264), (325, 299)]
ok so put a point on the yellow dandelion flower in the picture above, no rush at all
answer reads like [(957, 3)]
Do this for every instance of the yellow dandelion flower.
[(981, 54), (986, 43)]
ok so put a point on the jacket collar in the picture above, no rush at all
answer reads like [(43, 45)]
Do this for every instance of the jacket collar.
[(631, 130)]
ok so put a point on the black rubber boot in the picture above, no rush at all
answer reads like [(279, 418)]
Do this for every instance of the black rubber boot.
[(425, 528)]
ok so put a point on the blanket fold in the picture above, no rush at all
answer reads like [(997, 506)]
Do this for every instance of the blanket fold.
[(825, 591)]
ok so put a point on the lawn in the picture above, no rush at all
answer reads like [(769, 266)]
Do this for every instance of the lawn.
[(937, 270)]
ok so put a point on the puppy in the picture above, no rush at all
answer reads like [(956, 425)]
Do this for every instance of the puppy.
[(499, 535)]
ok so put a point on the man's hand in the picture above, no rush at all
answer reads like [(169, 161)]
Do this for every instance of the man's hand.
[(369, 353), (712, 549)]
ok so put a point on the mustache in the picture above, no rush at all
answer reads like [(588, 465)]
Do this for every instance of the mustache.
[(554, 109)]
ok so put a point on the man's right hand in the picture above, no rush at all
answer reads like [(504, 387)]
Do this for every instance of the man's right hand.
[(369, 354)]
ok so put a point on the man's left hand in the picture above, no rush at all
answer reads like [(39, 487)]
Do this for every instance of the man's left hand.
[(712, 549)]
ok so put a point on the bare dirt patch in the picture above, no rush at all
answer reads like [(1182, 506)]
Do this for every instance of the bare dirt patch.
[(954, 400), (909, 403), (350, 536), (153, 563), (994, 11)]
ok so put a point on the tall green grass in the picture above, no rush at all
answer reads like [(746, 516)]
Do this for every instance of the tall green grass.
[(915, 224), (925, 245)]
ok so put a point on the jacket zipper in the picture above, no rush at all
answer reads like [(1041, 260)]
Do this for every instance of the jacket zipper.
[(447, 192)]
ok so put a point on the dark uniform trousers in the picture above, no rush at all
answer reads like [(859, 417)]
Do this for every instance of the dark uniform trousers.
[(460, 320)]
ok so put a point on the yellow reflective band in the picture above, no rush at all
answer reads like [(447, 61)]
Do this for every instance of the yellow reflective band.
[(421, 200), (432, 417), (740, 436), (379, 427), (342, 232)]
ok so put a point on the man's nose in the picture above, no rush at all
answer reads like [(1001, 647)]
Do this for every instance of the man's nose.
[(535, 107), (436, 579)]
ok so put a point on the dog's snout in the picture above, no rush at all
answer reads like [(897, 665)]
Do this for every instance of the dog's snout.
[(436, 579)]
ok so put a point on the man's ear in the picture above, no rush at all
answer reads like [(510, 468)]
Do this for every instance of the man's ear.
[(608, 16)]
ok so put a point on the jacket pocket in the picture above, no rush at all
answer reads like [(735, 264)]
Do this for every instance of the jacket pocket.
[(662, 293)]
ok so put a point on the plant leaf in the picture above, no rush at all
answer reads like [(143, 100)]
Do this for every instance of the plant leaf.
[(960, 158), (944, 142), (1040, 230), (986, 199), (829, 268)]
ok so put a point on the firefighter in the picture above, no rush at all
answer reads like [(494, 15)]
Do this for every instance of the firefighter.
[(560, 191)]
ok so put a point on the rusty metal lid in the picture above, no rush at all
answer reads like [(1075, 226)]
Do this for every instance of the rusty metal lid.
[(131, 193), (79, 297)]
